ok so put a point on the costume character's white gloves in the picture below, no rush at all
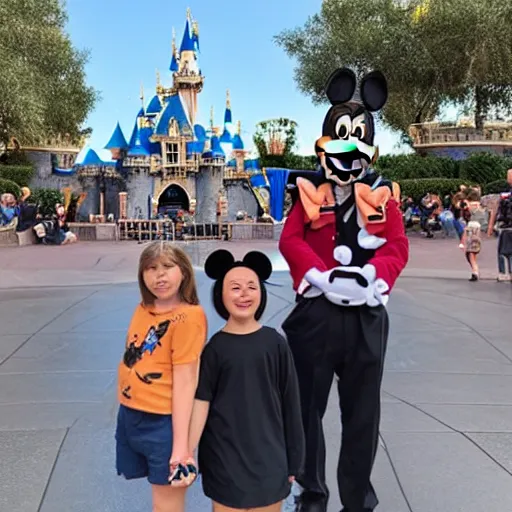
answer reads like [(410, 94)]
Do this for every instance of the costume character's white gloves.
[(349, 286)]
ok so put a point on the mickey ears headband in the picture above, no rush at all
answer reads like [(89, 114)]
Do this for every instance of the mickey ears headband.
[(220, 262), (342, 84)]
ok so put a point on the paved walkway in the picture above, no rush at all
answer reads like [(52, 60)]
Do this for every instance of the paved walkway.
[(90, 263), (446, 430)]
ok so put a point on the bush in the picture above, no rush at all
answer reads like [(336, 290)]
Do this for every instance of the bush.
[(17, 173), (15, 158), (496, 187), (484, 168), (405, 167), (9, 187), (46, 198), (289, 161), (441, 186)]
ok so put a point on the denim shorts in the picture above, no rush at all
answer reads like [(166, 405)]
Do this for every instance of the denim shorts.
[(143, 445)]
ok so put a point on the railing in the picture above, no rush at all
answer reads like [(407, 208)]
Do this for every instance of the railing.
[(147, 230), (142, 230), (436, 133), (231, 173), (253, 231)]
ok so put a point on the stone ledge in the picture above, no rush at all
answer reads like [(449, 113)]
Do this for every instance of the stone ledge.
[(94, 232)]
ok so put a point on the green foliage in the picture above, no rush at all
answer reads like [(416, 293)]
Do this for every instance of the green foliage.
[(46, 198), (275, 130), (457, 50), (404, 167), (270, 134), (17, 173), (496, 187), (289, 161), (43, 91), (484, 167), (480, 168), (15, 158), (441, 186), (9, 187)]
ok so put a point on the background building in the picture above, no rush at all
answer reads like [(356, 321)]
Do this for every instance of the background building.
[(170, 162)]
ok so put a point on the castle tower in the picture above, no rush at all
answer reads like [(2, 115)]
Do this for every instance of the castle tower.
[(117, 143), (226, 139), (209, 178), (239, 150), (188, 81)]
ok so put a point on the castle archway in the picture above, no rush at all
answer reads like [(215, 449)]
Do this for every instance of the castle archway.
[(172, 199)]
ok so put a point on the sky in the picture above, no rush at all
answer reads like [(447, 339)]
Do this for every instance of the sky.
[(128, 41)]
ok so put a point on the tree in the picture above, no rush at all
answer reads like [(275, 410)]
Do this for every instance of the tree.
[(432, 52), (43, 90), (275, 141), (275, 136)]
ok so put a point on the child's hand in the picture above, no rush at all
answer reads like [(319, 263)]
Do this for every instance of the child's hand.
[(183, 471)]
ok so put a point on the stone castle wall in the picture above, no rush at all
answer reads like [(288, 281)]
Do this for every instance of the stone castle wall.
[(44, 178), (240, 198), (139, 186), (205, 187), (208, 186)]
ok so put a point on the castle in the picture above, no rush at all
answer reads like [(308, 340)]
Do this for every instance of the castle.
[(171, 162)]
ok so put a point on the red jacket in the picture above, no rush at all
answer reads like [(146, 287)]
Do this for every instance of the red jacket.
[(304, 249)]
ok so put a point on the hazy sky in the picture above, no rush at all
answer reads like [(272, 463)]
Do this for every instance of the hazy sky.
[(130, 40)]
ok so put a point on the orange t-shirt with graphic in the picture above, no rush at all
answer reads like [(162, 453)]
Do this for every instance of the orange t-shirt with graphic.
[(154, 344)]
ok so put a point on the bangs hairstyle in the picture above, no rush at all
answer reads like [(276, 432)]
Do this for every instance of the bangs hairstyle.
[(220, 262), (168, 253)]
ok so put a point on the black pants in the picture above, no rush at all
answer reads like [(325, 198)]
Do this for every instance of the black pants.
[(326, 339)]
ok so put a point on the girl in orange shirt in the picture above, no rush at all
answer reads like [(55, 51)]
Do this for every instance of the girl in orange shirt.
[(157, 377)]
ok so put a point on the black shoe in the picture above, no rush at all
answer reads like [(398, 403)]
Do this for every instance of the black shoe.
[(474, 277), (312, 506), (307, 503)]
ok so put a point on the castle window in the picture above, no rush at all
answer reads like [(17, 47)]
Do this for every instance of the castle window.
[(172, 153)]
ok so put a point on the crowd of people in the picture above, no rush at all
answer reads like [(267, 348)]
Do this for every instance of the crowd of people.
[(468, 216), (21, 215)]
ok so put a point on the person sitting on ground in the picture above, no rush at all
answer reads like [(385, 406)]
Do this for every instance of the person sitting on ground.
[(408, 208), (65, 236), (8, 209), (427, 209)]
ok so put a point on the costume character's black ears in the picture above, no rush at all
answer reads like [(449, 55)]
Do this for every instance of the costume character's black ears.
[(220, 262), (342, 84)]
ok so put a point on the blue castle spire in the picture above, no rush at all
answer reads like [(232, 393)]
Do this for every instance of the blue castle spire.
[(238, 143), (174, 59), (118, 140), (187, 43), (228, 118)]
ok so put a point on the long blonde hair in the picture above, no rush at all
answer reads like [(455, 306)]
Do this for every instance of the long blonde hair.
[(156, 251)]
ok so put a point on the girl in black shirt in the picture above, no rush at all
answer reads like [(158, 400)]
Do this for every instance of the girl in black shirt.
[(246, 416)]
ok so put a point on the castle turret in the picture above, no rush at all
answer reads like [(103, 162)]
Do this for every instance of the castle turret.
[(226, 139), (174, 58), (117, 143), (210, 176), (238, 150), (188, 80)]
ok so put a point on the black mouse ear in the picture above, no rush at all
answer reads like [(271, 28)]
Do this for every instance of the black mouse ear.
[(260, 263), (340, 86), (218, 263), (374, 91)]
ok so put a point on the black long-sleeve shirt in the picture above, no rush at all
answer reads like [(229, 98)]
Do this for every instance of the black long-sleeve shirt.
[(253, 438)]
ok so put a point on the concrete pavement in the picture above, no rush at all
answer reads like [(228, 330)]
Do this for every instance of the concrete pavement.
[(92, 263), (446, 430)]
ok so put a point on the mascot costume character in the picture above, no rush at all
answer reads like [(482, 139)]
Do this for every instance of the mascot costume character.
[(345, 245)]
